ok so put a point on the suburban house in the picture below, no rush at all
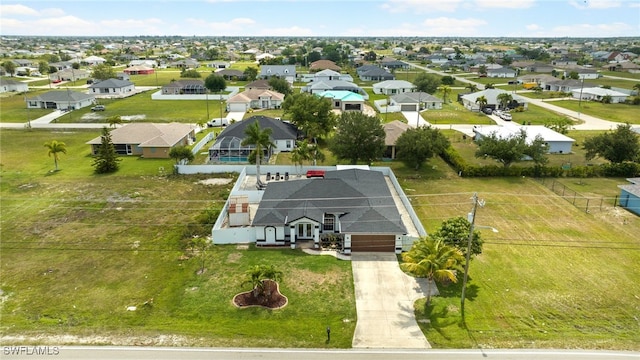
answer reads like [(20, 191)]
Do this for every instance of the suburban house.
[(147, 139), (540, 68), (219, 64), (184, 87), (392, 131), (8, 85), (185, 64), (258, 84), (287, 72), (582, 73), (231, 74), (94, 60), (318, 87), (61, 65), (567, 85), (228, 146), (392, 87), (630, 195), (389, 63), (139, 70), (344, 100), (324, 65), (255, 99), (598, 93), (69, 75), (374, 73), (416, 101), (503, 72), (145, 62), (61, 100), (355, 205), (470, 100), (112, 87), (627, 66), (326, 75), (557, 143)]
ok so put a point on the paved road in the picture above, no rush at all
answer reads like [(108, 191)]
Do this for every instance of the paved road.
[(148, 353), (384, 303)]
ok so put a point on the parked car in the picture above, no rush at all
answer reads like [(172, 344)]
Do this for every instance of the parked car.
[(497, 112), (57, 81), (505, 116), (98, 108), (487, 111)]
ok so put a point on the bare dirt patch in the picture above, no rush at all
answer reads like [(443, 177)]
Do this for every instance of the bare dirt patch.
[(215, 181)]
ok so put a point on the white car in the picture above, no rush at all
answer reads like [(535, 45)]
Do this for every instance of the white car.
[(505, 116)]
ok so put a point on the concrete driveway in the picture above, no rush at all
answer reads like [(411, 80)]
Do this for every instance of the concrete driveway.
[(384, 302)]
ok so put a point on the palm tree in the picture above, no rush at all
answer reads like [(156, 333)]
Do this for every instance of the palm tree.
[(446, 90), (472, 88), (114, 120), (301, 153), (434, 260), (56, 147), (504, 99), (481, 101), (261, 139), (256, 276)]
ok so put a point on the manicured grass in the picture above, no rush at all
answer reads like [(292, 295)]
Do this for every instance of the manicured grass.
[(620, 83), (611, 112), (621, 74), (78, 249), (536, 115), (13, 108)]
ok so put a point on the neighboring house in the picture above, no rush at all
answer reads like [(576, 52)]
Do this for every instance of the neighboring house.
[(597, 93), (123, 76), (61, 100), (355, 205), (69, 75), (317, 87), (374, 73), (394, 64), (540, 68), (392, 131), (24, 63), (325, 75), (503, 72), (287, 72), (567, 85), (8, 85), (324, 65), (344, 100), (61, 65), (219, 65), (113, 87), (540, 79), (230, 74), (147, 139), (94, 60), (557, 143), (623, 66), (583, 73), (392, 87), (469, 100), (145, 63), (139, 70), (228, 146), (630, 195), (255, 99), (184, 87), (185, 64), (258, 84), (416, 101)]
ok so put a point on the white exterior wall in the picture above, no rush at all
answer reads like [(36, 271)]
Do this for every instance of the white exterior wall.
[(281, 145), (560, 147), (238, 107)]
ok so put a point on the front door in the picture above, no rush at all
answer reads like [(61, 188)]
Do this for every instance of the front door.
[(305, 231)]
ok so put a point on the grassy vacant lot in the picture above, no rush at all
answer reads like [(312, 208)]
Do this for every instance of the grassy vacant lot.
[(13, 108), (536, 116), (78, 249), (611, 112)]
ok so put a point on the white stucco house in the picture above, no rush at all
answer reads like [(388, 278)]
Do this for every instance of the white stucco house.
[(597, 93), (392, 87), (470, 100), (557, 143), (255, 99), (112, 87)]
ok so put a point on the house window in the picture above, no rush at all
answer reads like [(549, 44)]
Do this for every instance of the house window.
[(329, 220), (288, 144), (305, 231)]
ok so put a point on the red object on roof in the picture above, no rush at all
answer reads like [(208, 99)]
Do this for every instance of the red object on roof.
[(315, 173)]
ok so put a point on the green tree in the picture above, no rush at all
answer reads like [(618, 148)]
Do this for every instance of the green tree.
[(256, 277), (415, 146), (448, 80), (481, 101), (607, 99), (280, 85), (190, 73), (54, 148), (511, 149), (472, 88), (261, 140), (434, 260), (559, 125), (482, 70), (573, 75), (455, 232), (75, 65), (180, 154), (358, 137), (250, 73), (114, 121), (106, 159), (446, 91), (103, 72), (427, 83), (617, 146), (504, 99), (301, 153), (215, 83), (43, 67), (9, 67)]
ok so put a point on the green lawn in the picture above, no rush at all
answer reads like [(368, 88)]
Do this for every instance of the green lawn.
[(536, 116), (611, 112), (13, 108), (622, 74)]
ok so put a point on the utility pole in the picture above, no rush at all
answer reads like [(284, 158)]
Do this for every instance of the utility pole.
[(472, 220)]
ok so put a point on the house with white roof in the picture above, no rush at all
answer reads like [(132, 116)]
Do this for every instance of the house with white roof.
[(255, 99), (556, 142), (94, 60), (470, 100), (392, 87), (598, 93)]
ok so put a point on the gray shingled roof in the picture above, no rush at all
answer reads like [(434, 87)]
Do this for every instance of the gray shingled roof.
[(280, 130), (62, 95), (414, 98), (111, 83), (361, 197)]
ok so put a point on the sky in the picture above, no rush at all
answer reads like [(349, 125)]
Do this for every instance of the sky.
[(307, 18)]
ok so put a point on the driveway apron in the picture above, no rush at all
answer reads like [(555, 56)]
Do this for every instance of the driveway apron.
[(384, 302)]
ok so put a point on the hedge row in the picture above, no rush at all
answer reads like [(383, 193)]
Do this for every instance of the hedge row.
[(453, 158)]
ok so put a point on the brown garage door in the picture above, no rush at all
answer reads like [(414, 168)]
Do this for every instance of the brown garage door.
[(408, 107), (373, 243)]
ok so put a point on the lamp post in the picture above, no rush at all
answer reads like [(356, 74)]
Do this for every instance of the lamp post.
[(472, 219)]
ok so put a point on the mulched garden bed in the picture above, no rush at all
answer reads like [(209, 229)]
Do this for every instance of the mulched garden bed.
[(271, 298)]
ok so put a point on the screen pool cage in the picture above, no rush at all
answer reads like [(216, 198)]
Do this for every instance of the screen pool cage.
[(230, 149)]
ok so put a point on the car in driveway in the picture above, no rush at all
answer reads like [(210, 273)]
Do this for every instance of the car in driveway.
[(98, 108), (505, 116), (487, 110)]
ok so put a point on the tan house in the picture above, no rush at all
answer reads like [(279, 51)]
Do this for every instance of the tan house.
[(147, 139), (392, 131), (255, 99)]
